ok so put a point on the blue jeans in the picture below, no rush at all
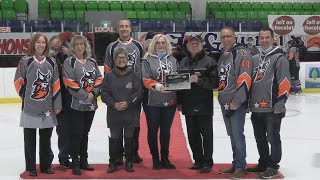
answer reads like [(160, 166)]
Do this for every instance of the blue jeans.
[(266, 127), (235, 126)]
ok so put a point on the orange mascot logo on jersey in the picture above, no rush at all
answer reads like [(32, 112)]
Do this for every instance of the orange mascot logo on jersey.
[(41, 86), (88, 79)]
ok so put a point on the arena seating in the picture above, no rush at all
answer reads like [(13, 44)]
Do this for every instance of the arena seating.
[(148, 15)]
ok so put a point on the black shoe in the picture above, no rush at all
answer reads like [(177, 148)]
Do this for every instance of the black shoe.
[(119, 161), (33, 173), (65, 163), (76, 170), (112, 168), (86, 166), (195, 166), (129, 167), (268, 173), (205, 169), (256, 169), (166, 164), (156, 165), (137, 159), (47, 171)]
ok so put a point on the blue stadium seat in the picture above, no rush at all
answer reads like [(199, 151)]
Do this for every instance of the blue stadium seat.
[(246, 25), (216, 25), (163, 25), (71, 26), (147, 25), (56, 25), (135, 25), (197, 26), (181, 25), (256, 25), (234, 24), (36, 26), (17, 25)]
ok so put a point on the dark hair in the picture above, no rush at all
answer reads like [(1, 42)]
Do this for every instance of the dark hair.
[(34, 39), (227, 27), (267, 29)]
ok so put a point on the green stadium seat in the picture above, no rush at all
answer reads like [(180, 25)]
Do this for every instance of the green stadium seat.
[(138, 5), (167, 15), (262, 14), (67, 6), (173, 5), (69, 15), (142, 15), (155, 14), (304, 12), (267, 6), (257, 6), (231, 15), (43, 8), (0, 16), (242, 15), (287, 6), (307, 6), (21, 6), (316, 6), (273, 13), (252, 15), (220, 15), (214, 6), (103, 6), (56, 15), (225, 6), (265, 23), (80, 6), (235, 6), (55, 5), (150, 6), (161, 6), (115, 5), (185, 7), (9, 14), (297, 6), (7, 4), (179, 15), (277, 6), (92, 6), (246, 6), (131, 14), (80, 16), (316, 12), (127, 5), (283, 12), (294, 12)]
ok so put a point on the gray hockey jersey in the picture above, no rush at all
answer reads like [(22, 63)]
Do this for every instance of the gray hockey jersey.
[(80, 79), (153, 71), (270, 82), (37, 83), (234, 69), (135, 53)]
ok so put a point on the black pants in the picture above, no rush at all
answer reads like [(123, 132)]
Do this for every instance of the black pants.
[(159, 117), (200, 136), (79, 126), (266, 127), (30, 148), (63, 136)]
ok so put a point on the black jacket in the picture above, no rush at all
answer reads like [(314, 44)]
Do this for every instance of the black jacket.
[(199, 99)]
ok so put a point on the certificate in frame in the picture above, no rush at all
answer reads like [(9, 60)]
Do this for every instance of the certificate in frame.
[(174, 82)]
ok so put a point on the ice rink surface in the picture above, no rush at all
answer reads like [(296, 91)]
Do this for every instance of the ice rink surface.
[(300, 132)]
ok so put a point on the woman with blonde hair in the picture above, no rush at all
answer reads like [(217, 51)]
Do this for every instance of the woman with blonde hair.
[(82, 79), (159, 105)]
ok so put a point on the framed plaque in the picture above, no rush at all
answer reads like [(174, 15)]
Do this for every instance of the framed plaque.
[(177, 81)]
